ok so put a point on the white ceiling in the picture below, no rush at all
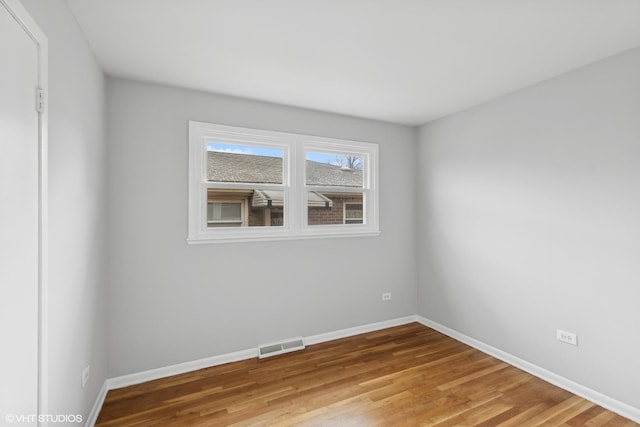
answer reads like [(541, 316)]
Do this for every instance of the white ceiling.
[(403, 61)]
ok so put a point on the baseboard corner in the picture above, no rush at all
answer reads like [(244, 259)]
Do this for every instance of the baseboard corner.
[(594, 396)]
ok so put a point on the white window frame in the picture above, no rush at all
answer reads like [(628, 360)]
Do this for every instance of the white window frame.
[(294, 188)]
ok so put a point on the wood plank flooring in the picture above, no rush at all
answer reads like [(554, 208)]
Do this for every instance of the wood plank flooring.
[(409, 375)]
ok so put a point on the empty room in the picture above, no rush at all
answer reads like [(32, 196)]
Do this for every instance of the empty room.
[(322, 213)]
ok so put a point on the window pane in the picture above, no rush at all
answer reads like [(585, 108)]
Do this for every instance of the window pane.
[(245, 208), (224, 214), (334, 170), (325, 208), (230, 211), (244, 163), (353, 213)]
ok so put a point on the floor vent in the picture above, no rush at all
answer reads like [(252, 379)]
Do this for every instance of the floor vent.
[(268, 350)]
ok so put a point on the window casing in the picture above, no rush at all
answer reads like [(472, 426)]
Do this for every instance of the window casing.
[(302, 191)]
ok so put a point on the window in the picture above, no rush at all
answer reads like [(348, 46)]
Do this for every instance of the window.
[(225, 214), (247, 184), (353, 213)]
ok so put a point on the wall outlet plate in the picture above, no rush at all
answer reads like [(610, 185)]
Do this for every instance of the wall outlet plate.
[(85, 375), (386, 296), (567, 337)]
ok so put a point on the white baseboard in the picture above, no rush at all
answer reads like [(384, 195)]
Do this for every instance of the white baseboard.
[(598, 398), (194, 365), (607, 402), (180, 368), (97, 406), (356, 330)]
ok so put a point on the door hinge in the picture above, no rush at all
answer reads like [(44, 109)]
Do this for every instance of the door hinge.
[(40, 100)]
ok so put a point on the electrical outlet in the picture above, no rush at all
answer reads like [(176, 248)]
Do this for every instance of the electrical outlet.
[(85, 375), (568, 337), (386, 296)]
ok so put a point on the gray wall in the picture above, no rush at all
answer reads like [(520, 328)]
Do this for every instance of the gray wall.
[(171, 302), (77, 220), (529, 221), (527, 217)]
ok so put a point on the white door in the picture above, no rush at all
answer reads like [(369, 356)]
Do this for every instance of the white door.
[(19, 223)]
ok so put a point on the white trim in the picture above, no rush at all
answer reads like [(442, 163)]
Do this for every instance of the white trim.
[(97, 406), (194, 365), (283, 236), (596, 397), (357, 330), (23, 17), (199, 135), (294, 147), (179, 368)]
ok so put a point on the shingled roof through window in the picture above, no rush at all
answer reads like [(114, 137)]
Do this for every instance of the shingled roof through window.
[(232, 167)]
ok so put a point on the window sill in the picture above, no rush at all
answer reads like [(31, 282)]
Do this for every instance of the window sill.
[(205, 240)]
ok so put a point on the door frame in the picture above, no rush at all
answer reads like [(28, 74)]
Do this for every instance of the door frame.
[(24, 19)]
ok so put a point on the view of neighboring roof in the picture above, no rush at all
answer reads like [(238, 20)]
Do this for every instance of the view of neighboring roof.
[(233, 167), (332, 175)]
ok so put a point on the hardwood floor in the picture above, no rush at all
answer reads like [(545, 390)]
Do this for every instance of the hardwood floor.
[(409, 375)]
